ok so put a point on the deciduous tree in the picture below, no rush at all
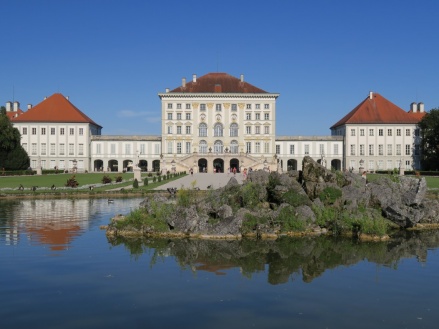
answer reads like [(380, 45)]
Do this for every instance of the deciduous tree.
[(429, 126)]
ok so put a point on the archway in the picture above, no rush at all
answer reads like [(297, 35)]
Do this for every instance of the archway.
[(156, 165), (143, 165), (218, 165), (127, 165), (202, 165), (113, 165), (336, 164), (234, 163), (98, 165), (291, 165)]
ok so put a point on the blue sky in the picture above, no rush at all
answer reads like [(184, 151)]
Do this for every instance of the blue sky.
[(112, 58)]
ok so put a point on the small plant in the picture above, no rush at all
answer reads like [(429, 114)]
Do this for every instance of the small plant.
[(118, 179), (160, 179), (135, 183), (295, 199), (329, 195), (150, 174), (154, 179), (106, 179), (289, 222), (157, 173), (145, 181), (72, 182)]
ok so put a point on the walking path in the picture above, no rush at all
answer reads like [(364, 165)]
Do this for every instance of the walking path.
[(201, 181)]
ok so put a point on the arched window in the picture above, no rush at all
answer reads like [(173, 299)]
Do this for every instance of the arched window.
[(218, 130), (203, 147), (234, 130), (234, 147), (218, 147), (202, 129)]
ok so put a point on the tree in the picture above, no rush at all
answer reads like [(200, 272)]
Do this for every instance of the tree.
[(429, 126), (12, 154)]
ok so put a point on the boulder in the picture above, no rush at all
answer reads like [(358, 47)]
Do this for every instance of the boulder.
[(258, 177)]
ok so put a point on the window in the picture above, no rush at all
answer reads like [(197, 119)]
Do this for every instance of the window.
[(81, 131), (407, 132), (52, 131), (248, 130), (266, 147), (306, 148), (335, 149), (218, 107), (257, 116), (257, 106), (248, 106), (417, 132), (61, 131), (380, 132), (178, 130), (81, 149), (361, 132), (398, 149), (234, 107), (267, 106), (389, 132), (188, 106), (202, 130), (352, 149), (170, 106), (72, 131), (218, 130), (202, 107), (322, 149), (389, 149), (71, 149), (178, 116), (34, 148), (248, 147), (169, 116), (371, 149), (257, 130), (43, 131), (127, 149), (389, 164), (43, 149), (352, 132), (218, 147), (188, 147), (169, 147), (188, 116), (248, 116), (258, 147), (407, 149), (24, 131), (188, 130), (267, 116), (234, 130), (370, 132), (291, 149), (266, 130), (178, 106), (113, 148), (179, 148), (361, 149), (371, 165), (34, 131), (142, 148), (381, 149), (62, 149), (203, 147), (277, 149), (169, 129), (157, 148), (234, 147), (52, 149), (398, 132), (380, 164)]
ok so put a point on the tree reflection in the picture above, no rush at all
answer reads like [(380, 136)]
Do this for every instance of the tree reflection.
[(285, 258)]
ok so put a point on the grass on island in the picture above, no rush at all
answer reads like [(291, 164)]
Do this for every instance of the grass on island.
[(44, 183)]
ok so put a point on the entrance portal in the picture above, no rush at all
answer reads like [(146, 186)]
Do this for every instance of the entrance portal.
[(291, 164), (336, 164), (143, 165), (113, 165), (202, 165), (234, 163), (218, 165), (98, 165)]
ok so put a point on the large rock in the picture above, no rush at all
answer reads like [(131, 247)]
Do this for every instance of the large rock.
[(258, 177)]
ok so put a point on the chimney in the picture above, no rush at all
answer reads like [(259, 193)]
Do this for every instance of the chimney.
[(217, 88), (413, 107), (29, 106), (194, 78), (16, 106), (370, 94), (183, 82), (67, 97), (242, 77), (421, 107), (167, 90), (45, 97), (8, 106)]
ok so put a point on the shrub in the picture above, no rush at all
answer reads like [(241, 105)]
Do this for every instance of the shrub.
[(118, 179), (150, 174), (157, 173), (154, 179), (185, 197), (72, 182), (135, 183), (160, 178), (289, 222), (145, 181), (251, 223), (250, 195), (330, 194), (106, 179), (295, 199)]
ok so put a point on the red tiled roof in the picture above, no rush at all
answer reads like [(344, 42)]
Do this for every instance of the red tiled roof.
[(378, 110), (55, 108), (218, 83), (13, 114)]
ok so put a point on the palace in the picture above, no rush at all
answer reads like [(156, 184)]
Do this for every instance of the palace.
[(218, 122)]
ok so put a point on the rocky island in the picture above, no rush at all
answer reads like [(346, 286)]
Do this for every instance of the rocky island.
[(312, 201)]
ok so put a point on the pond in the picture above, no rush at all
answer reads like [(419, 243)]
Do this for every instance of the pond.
[(59, 270)]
